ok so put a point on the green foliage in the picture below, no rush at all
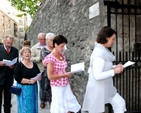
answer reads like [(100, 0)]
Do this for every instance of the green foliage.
[(21, 14), (27, 6), (25, 29)]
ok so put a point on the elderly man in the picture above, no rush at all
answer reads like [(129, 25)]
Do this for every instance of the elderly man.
[(36, 51), (6, 72)]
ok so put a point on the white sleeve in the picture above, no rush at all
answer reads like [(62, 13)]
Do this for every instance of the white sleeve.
[(99, 74)]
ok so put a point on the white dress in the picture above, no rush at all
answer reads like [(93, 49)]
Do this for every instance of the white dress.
[(100, 89)]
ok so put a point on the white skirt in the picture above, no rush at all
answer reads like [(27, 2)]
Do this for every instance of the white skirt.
[(63, 100)]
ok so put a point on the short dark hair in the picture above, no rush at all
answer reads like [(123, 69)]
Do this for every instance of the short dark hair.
[(26, 42), (105, 32), (59, 39)]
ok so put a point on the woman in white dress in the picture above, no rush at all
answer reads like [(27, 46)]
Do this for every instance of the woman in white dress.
[(100, 89)]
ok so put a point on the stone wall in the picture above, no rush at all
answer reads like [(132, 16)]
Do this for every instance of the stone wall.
[(71, 19)]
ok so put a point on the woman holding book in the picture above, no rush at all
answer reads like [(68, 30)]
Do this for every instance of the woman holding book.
[(24, 73), (100, 89), (63, 100)]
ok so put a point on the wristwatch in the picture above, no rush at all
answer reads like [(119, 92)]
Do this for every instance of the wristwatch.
[(29, 81)]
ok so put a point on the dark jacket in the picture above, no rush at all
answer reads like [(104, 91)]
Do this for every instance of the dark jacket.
[(6, 74)]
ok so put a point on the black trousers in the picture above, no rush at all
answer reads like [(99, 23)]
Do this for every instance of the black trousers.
[(41, 91), (45, 89), (6, 97)]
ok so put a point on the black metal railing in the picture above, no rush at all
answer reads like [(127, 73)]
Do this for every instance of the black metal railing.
[(128, 83)]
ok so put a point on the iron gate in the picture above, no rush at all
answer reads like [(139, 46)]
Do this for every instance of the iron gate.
[(125, 17)]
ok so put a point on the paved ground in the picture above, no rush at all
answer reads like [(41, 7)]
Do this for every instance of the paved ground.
[(14, 106)]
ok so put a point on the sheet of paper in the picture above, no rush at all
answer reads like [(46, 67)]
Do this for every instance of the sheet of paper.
[(128, 64), (37, 76), (9, 62), (77, 67)]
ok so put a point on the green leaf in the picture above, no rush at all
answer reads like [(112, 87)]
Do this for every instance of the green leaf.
[(27, 6)]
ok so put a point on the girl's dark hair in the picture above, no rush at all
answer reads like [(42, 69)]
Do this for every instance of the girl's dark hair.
[(26, 42), (59, 39), (105, 32)]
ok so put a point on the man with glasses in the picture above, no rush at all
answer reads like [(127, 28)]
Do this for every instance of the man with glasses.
[(36, 50), (35, 57)]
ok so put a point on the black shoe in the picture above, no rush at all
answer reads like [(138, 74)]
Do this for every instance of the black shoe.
[(42, 105)]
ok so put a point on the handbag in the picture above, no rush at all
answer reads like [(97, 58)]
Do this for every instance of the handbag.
[(15, 90)]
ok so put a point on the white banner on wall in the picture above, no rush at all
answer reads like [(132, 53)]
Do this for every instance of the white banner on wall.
[(94, 10)]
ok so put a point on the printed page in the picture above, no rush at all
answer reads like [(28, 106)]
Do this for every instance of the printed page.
[(128, 64), (77, 67), (9, 62), (14, 61)]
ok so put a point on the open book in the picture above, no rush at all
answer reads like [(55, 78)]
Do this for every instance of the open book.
[(9, 62), (128, 64), (79, 67)]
